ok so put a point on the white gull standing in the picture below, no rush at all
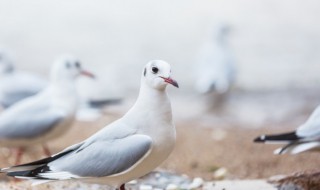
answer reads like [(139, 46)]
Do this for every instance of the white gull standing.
[(45, 116), (124, 150), (216, 67), (16, 85), (306, 137)]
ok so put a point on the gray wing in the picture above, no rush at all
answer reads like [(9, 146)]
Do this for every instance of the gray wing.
[(28, 122), (102, 158)]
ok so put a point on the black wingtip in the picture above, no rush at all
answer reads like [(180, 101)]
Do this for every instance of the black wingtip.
[(30, 173), (260, 139), (18, 173), (292, 136)]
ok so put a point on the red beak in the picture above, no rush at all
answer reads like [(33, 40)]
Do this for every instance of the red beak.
[(87, 73), (171, 81)]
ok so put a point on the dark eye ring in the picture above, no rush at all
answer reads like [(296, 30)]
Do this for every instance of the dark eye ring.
[(155, 70)]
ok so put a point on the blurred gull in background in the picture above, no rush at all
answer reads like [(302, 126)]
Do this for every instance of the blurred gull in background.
[(125, 149), (16, 85), (216, 69), (306, 137), (45, 116)]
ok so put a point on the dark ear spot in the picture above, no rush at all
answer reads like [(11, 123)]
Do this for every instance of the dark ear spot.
[(145, 72)]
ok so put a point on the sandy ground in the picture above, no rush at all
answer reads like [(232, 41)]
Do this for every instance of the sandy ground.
[(207, 142), (200, 152)]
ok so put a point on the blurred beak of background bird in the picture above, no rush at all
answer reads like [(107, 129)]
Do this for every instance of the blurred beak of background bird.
[(171, 81), (88, 74)]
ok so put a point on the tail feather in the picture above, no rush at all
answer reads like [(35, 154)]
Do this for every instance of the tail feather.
[(31, 174), (285, 149), (39, 182), (35, 164), (285, 137), (296, 148)]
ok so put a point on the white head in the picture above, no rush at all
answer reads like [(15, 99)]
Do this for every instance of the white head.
[(156, 74), (221, 32), (67, 68), (6, 63)]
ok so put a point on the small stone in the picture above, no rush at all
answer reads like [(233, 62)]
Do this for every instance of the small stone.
[(172, 187), (220, 173), (218, 134), (133, 182), (145, 187), (274, 179), (196, 183)]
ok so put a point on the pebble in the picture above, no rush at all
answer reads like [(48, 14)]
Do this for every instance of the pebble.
[(133, 182), (218, 134), (172, 187), (220, 173), (196, 183), (145, 187), (162, 179)]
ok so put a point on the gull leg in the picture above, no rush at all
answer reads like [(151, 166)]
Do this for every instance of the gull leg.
[(122, 187), (19, 153), (46, 150)]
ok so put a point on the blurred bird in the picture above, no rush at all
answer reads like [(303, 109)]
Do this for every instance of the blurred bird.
[(45, 116), (306, 137), (216, 68), (16, 85), (92, 109), (216, 64), (125, 149)]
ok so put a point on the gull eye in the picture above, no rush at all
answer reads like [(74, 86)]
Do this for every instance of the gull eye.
[(155, 70), (77, 64)]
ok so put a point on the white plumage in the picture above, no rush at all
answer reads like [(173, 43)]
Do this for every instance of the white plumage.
[(124, 150)]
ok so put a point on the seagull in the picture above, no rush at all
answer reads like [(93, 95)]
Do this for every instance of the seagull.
[(304, 138), (45, 116), (16, 85), (216, 69), (124, 150)]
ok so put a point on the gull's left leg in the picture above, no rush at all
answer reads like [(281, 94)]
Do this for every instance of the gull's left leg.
[(46, 150), (19, 153), (122, 187)]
